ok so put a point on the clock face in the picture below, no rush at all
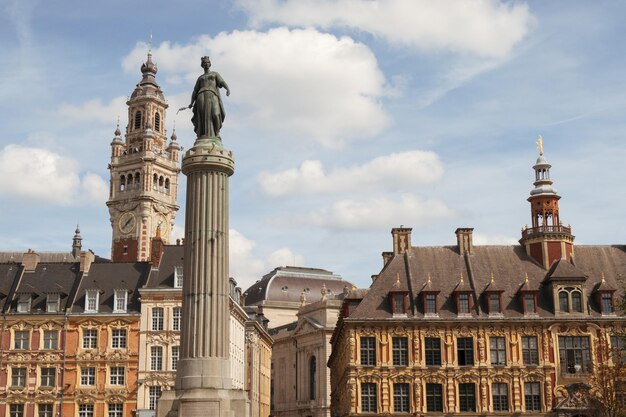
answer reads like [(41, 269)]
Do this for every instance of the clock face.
[(161, 222), (127, 222)]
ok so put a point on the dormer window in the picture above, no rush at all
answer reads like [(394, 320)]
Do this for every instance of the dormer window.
[(178, 277), (606, 303), (529, 303), (570, 300), (563, 301), (91, 301), (430, 304), (398, 302), (495, 303), (577, 302), (120, 301), (463, 303), (23, 303), (53, 303)]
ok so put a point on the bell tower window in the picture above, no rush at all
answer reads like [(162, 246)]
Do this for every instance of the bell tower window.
[(167, 186), (137, 120), (137, 180), (122, 183), (157, 122), (155, 182)]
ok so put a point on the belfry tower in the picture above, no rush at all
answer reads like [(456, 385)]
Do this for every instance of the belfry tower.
[(548, 239), (144, 173)]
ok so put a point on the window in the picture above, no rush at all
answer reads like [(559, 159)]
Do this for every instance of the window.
[(120, 299), (432, 351), (577, 301), (398, 303), (607, 303), (500, 396), (532, 396), (434, 398), (177, 315), (494, 303), (175, 357), (16, 410), (85, 410), (400, 351), (574, 354), (90, 338), (48, 377), (465, 351), (45, 410), (117, 375), (618, 345), (154, 393), (157, 318), (178, 277), (18, 377), (21, 339), (156, 358), (530, 353), (312, 378), (368, 397), (50, 339), (87, 376), (53, 303), (464, 306), (530, 306), (430, 304), (118, 339), (23, 303), (497, 347), (401, 398), (467, 397), (137, 120), (563, 301), (116, 410), (157, 122), (91, 301), (368, 351)]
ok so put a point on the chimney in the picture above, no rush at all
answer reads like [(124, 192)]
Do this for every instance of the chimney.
[(156, 251), (30, 260), (86, 259), (401, 239), (387, 257), (464, 240)]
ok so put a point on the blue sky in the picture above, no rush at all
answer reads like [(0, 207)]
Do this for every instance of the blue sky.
[(346, 118)]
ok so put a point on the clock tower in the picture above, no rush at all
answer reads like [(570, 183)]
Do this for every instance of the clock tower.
[(144, 173)]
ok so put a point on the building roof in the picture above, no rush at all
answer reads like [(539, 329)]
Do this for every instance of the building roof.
[(287, 283), (509, 264), (163, 276)]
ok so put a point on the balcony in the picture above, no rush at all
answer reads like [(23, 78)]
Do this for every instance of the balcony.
[(533, 231)]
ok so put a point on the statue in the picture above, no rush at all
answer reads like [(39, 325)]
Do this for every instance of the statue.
[(540, 145), (208, 110)]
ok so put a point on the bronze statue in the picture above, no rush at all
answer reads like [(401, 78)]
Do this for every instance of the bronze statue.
[(208, 110)]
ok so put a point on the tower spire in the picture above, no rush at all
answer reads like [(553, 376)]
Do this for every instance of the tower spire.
[(547, 239)]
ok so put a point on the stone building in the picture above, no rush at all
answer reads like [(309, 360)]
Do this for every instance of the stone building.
[(482, 330)]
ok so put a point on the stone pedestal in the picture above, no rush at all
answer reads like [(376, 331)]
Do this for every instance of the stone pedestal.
[(203, 382)]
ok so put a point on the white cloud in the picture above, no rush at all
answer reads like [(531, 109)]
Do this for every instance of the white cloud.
[(488, 28), (41, 175), (96, 110), (247, 268), (94, 188), (301, 83), (482, 239), (380, 213), (396, 170)]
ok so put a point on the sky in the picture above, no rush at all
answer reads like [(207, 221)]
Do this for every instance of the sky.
[(346, 118)]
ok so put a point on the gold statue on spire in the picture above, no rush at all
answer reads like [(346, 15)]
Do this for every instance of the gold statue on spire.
[(540, 145)]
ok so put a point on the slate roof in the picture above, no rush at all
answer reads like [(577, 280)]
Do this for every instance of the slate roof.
[(509, 265), (163, 277)]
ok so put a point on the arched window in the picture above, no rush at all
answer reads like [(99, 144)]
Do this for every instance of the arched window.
[(155, 182), (312, 377), (138, 120), (577, 302), (137, 180), (129, 182), (167, 185), (161, 184), (563, 301), (157, 122), (122, 183)]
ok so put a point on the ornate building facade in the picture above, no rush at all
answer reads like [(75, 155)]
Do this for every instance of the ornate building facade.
[(482, 330)]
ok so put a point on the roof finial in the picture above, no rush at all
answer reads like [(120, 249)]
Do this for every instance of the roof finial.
[(462, 281), (492, 280), (150, 44), (398, 278), (429, 281), (540, 145), (526, 278), (603, 280)]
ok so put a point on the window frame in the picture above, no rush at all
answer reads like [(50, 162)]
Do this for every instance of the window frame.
[(432, 354), (45, 410), (174, 357), (401, 397), (18, 376), (467, 397), (530, 352), (434, 397), (85, 410), (177, 318), (156, 358), (577, 350), (431, 307), (90, 339), (158, 316), (120, 299), (24, 303), (178, 276), (526, 296), (499, 399), (497, 350), (119, 338), (369, 397), (400, 351), (532, 396), (50, 377), (16, 410), (154, 393), (367, 350), (92, 300), (117, 376), (51, 302), (23, 341), (88, 376), (463, 303), (465, 350), (115, 409)]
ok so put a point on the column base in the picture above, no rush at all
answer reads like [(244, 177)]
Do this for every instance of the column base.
[(203, 402)]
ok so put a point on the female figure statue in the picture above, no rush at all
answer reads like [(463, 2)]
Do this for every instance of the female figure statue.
[(208, 110)]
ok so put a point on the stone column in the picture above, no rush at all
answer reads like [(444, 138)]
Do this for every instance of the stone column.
[(203, 381)]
